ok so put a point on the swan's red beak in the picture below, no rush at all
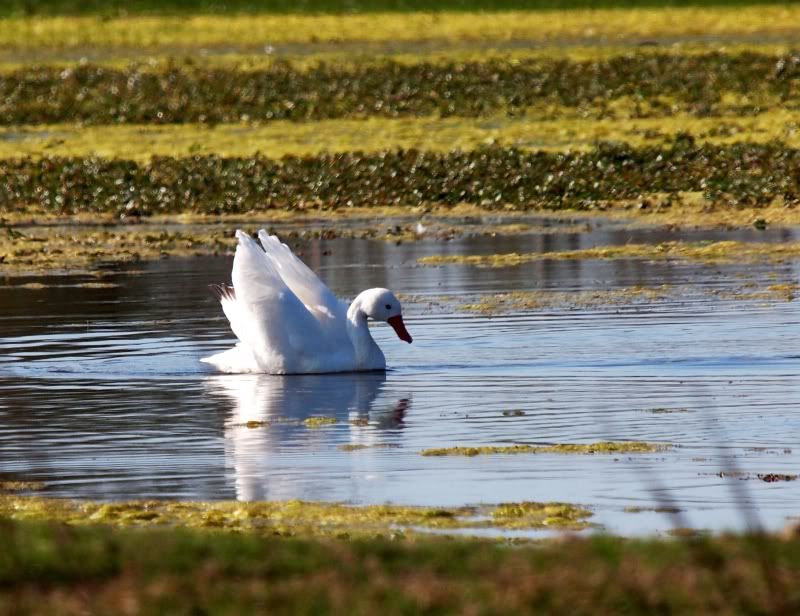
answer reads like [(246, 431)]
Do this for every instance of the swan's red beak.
[(400, 328)]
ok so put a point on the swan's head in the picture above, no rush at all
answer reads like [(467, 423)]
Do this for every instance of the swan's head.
[(382, 305)]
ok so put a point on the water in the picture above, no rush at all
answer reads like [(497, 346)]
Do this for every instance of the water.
[(102, 394)]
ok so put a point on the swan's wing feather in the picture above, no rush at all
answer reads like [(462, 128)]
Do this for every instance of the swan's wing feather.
[(303, 282), (264, 313)]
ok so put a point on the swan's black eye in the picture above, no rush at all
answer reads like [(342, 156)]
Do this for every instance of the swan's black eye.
[(388, 306)]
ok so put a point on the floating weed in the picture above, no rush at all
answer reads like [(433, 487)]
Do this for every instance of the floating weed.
[(663, 509), (531, 515), (295, 517), (534, 300), (786, 290), (319, 422), (565, 448), (253, 424), (766, 477), (351, 447), (97, 285), (705, 252), (773, 477), (20, 486)]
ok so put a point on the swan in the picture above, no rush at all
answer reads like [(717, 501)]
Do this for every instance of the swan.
[(289, 322)]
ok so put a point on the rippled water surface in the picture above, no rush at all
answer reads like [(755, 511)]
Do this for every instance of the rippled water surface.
[(102, 394)]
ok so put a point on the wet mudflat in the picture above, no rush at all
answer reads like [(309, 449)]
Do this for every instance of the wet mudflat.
[(102, 394)]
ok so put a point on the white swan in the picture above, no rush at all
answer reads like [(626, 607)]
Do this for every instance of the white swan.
[(288, 322)]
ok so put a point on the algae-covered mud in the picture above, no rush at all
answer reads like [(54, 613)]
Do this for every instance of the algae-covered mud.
[(706, 252), (299, 518)]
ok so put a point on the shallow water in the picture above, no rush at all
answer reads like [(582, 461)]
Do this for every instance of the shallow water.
[(102, 394)]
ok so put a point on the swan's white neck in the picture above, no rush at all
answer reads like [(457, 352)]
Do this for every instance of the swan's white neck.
[(368, 354)]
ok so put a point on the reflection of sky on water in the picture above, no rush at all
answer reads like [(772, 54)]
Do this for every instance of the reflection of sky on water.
[(101, 394)]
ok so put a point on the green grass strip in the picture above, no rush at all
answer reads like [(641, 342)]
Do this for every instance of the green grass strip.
[(47, 569)]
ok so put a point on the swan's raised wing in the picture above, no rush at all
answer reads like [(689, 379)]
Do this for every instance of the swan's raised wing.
[(264, 313), (303, 282)]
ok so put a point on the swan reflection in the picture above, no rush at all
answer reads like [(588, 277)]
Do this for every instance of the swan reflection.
[(275, 457)]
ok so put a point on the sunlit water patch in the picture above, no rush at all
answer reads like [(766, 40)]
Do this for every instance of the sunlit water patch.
[(102, 394)]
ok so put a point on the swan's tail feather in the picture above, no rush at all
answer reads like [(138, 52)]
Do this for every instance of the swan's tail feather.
[(223, 292)]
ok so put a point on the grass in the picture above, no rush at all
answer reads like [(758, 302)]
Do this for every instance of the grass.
[(49, 568), (181, 7), (552, 129), (194, 30)]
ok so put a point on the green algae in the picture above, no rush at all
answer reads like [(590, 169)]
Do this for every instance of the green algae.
[(704, 252), (253, 424), (11, 485), (319, 422), (529, 514), (497, 303), (351, 447), (612, 447), (298, 518), (661, 509)]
